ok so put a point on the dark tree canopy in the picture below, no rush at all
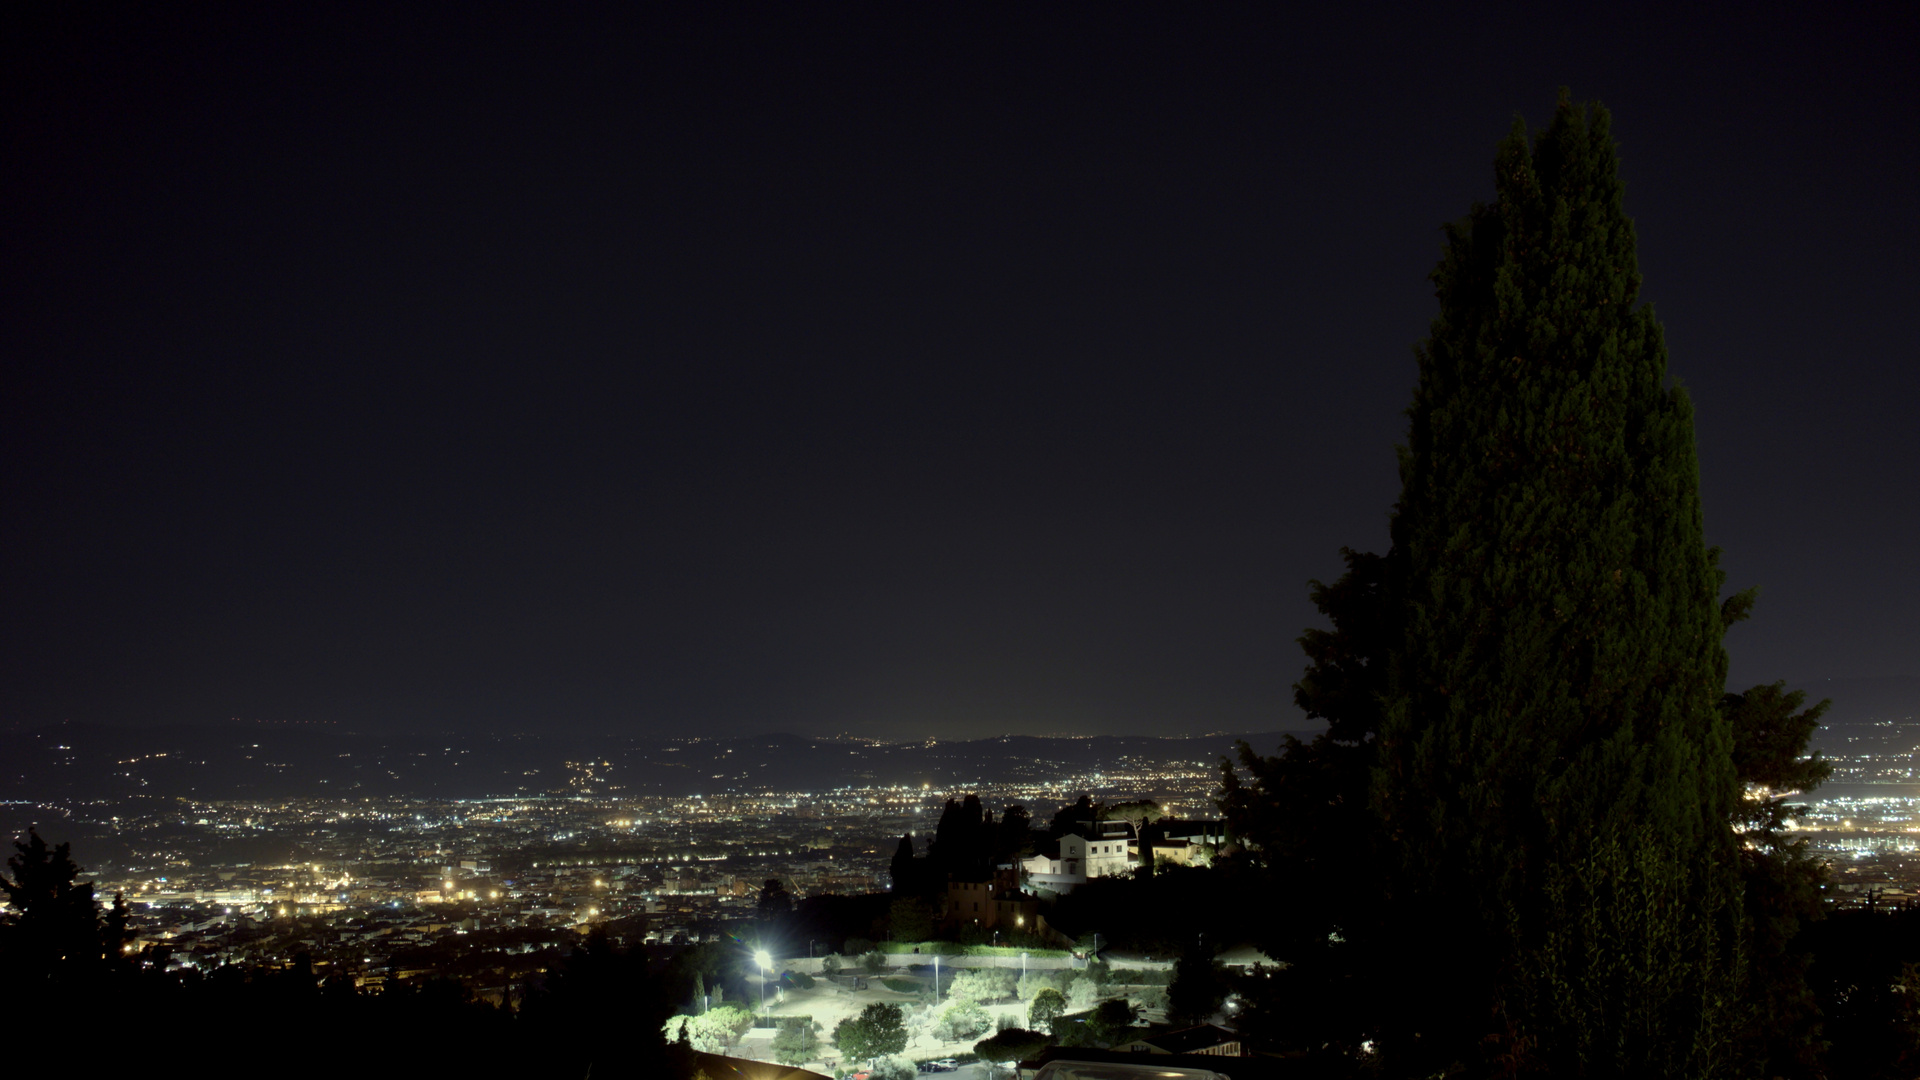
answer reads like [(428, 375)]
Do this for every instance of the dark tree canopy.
[(775, 902), (56, 924), (1069, 817), (903, 869), (963, 842)]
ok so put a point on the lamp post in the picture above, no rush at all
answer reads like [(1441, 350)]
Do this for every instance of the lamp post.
[(936, 978), (1023, 965), (766, 968)]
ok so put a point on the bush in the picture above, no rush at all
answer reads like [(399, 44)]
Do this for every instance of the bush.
[(799, 980), (903, 986), (874, 962), (893, 1067), (830, 964)]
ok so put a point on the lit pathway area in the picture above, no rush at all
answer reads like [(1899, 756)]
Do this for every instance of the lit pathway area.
[(828, 1003)]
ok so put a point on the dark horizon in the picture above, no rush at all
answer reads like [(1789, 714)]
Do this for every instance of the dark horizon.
[(921, 373)]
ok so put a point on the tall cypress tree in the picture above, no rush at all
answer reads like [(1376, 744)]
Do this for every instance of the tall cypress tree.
[(1553, 778)]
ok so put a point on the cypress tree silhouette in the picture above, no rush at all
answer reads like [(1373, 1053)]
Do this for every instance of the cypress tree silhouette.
[(1554, 778)]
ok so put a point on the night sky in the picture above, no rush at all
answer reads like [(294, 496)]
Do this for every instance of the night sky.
[(907, 370)]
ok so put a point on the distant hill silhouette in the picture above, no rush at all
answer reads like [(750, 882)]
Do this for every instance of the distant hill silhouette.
[(270, 761)]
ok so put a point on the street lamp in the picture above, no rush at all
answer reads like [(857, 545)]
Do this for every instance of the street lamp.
[(1023, 965), (766, 968), (936, 978)]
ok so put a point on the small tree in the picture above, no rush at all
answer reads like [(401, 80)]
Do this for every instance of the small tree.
[(796, 1042), (830, 964), (799, 980), (1099, 973), (1107, 1021), (712, 1032), (879, 1029), (1047, 1004), (1035, 981), (983, 985), (1196, 990), (962, 1020), (874, 962), (1135, 814), (722, 1026)]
